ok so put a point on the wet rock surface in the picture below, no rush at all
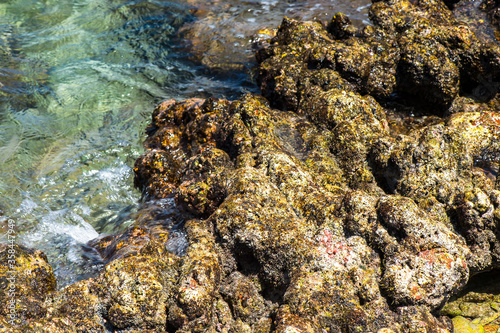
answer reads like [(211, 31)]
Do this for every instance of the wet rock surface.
[(26, 280), (358, 195), (476, 307), (492, 9)]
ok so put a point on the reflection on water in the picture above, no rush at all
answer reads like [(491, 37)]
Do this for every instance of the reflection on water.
[(78, 81)]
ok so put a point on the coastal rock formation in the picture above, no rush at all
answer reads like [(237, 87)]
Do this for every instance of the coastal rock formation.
[(26, 279), (415, 54), (358, 195)]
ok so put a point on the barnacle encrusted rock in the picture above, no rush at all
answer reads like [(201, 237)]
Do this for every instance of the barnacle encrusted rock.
[(26, 279), (492, 8), (319, 253), (321, 245)]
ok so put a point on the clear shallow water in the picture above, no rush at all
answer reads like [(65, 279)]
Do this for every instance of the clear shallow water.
[(78, 82)]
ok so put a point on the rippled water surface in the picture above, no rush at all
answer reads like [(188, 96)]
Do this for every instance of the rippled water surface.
[(78, 82)]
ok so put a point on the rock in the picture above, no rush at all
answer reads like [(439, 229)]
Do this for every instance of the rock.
[(437, 255), (143, 285), (247, 302), (156, 220), (462, 325), (492, 8), (78, 307), (355, 123), (278, 234), (478, 305), (426, 69), (27, 279), (416, 53)]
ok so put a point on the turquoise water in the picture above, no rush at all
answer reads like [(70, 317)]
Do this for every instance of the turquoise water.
[(78, 82)]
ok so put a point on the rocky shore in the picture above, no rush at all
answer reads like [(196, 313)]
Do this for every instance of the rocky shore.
[(359, 193)]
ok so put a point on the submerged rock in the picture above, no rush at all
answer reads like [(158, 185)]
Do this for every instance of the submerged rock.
[(21, 80), (358, 197)]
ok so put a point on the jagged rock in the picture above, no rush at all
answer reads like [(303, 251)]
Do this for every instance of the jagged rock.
[(26, 279), (310, 255), (417, 50)]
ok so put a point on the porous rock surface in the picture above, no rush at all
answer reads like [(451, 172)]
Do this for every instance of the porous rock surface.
[(326, 206)]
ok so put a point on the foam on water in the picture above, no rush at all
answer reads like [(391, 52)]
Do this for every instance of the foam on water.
[(62, 222)]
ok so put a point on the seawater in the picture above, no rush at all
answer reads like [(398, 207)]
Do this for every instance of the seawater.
[(78, 82)]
